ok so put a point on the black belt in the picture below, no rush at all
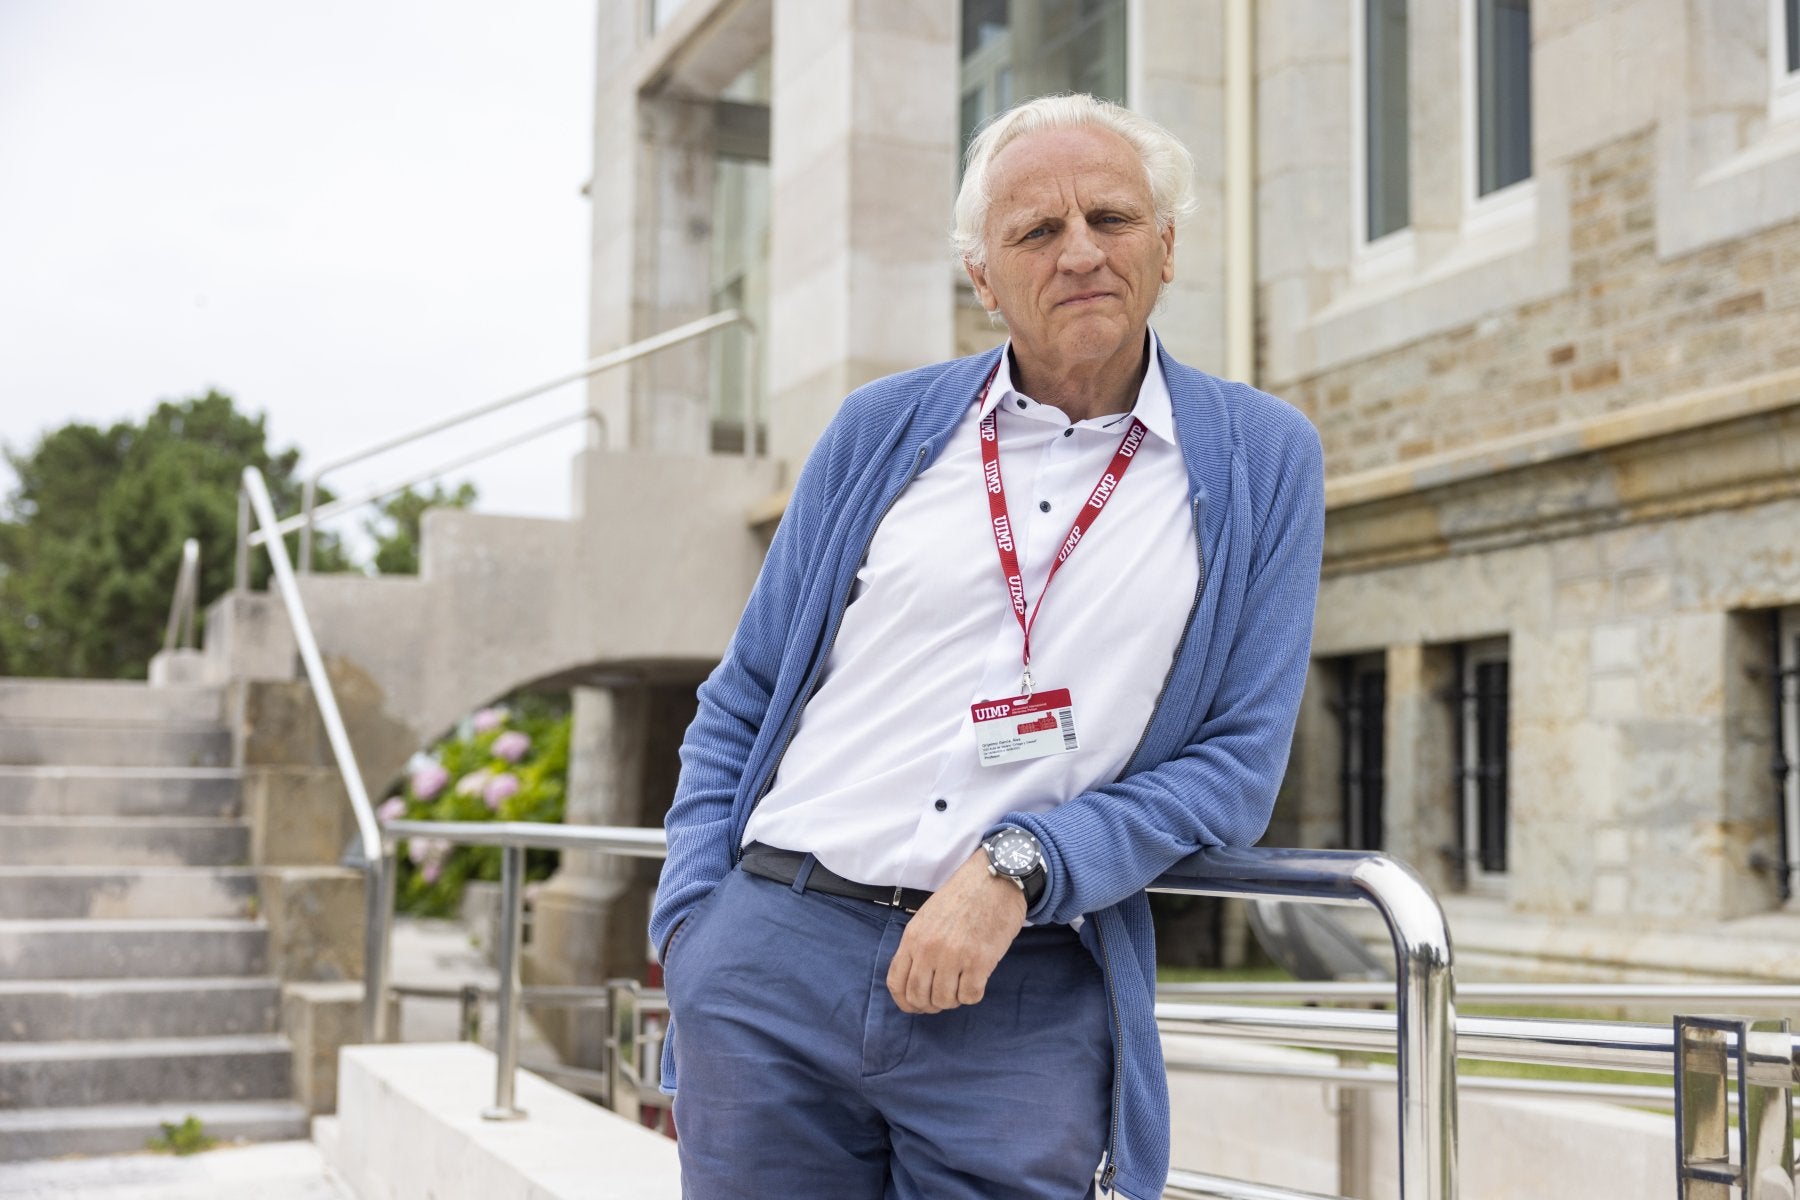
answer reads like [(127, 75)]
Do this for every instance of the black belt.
[(783, 865)]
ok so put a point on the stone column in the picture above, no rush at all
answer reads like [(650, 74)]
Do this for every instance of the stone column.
[(651, 197), (589, 919), (863, 167)]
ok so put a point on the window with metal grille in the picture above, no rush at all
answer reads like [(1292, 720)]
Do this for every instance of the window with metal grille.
[(1362, 726), (1386, 125), (1501, 80), (1483, 704), (1784, 639)]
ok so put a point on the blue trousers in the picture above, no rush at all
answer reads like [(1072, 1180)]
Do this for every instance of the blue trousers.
[(798, 1077)]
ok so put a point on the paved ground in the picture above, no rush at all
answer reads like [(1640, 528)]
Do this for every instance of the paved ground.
[(272, 1171), (433, 953)]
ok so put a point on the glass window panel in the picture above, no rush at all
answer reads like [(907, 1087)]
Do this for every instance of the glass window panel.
[(1385, 116), (1502, 92), (1014, 50), (1362, 729), (1793, 35)]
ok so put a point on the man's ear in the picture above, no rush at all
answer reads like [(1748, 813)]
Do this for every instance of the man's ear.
[(983, 293), (1168, 240)]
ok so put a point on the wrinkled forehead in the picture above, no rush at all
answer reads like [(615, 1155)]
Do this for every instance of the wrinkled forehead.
[(1054, 170)]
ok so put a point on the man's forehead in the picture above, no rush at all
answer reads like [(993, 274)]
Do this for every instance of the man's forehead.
[(1053, 165)]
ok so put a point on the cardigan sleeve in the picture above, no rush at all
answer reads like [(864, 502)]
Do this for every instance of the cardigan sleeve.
[(1219, 790), (735, 699)]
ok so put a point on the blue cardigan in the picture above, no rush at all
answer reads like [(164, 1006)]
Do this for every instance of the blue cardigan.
[(1206, 770)]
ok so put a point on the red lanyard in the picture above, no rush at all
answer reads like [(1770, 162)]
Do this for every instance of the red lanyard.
[(1002, 524)]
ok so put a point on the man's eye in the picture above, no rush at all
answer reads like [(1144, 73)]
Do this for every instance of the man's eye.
[(1036, 233)]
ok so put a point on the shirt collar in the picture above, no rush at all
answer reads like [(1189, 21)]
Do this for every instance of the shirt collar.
[(1153, 406)]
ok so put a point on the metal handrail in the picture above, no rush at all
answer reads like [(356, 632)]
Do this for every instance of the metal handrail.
[(1756, 995), (1425, 1007), (325, 512), (606, 362), (180, 633), (377, 866), (1602, 1045)]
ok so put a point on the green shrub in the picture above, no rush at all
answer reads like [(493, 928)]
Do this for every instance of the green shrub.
[(506, 763)]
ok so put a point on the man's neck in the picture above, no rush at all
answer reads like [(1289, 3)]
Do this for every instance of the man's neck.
[(1084, 390)]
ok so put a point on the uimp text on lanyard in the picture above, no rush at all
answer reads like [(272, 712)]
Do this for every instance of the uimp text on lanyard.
[(1001, 736)]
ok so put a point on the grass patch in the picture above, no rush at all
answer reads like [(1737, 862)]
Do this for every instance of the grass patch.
[(188, 1137)]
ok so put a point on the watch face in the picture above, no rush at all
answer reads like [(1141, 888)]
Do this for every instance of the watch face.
[(1015, 852)]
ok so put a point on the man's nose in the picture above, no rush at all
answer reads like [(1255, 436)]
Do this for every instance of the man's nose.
[(1081, 252)]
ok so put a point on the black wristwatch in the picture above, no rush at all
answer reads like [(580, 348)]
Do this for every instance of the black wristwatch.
[(1014, 854)]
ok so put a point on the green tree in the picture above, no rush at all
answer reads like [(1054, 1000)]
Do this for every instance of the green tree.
[(90, 539), (396, 527)]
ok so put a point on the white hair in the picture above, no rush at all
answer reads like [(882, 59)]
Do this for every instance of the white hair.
[(1168, 167)]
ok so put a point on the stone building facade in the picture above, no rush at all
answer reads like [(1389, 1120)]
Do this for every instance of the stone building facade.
[(1531, 266)]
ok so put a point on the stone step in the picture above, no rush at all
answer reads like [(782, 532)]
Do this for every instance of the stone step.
[(123, 842), (127, 892), (145, 1071), (120, 791), (30, 744), (127, 949), (108, 702), (113, 1009)]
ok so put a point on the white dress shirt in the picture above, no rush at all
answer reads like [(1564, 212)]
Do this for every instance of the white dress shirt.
[(882, 781)]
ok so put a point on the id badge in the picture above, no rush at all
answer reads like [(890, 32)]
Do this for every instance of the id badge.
[(1023, 727)]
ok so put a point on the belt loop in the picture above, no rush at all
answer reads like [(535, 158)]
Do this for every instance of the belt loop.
[(803, 872)]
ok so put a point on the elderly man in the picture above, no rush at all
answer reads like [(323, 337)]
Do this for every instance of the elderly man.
[(1033, 628)]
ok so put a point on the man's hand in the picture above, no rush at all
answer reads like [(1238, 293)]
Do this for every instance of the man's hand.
[(956, 940)]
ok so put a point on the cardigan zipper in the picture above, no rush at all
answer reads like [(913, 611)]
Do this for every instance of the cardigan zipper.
[(812, 684)]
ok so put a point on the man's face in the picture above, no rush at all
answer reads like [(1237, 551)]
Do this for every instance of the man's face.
[(1074, 256)]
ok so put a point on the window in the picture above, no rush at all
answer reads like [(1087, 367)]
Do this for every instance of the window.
[(1482, 759), (1784, 58), (1501, 79), (1386, 129), (1791, 31), (1362, 726), (1013, 50), (1784, 628)]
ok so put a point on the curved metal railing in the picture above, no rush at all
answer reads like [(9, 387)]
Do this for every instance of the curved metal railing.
[(377, 866), (1425, 1009)]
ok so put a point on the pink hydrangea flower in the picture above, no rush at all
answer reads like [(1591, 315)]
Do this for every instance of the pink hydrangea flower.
[(488, 719), (392, 809), (512, 745), (472, 784), (429, 780), (432, 869), (500, 788)]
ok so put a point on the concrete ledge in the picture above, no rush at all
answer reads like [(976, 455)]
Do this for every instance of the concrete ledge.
[(409, 1127)]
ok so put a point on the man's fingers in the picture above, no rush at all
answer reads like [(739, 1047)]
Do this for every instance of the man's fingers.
[(971, 988)]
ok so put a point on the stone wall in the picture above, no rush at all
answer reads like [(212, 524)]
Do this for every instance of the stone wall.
[(1632, 328)]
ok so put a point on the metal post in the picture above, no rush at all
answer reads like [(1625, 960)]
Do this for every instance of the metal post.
[(309, 493), (379, 878), (506, 1044), (240, 581)]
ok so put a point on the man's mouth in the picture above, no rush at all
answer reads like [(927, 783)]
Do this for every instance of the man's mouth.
[(1083, 298)]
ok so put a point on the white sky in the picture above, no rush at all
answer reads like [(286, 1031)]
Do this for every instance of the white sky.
[(354, 217)]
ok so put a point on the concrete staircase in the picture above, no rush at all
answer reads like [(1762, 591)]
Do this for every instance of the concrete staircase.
[(133, 970)]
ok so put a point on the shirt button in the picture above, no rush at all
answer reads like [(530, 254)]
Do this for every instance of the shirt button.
[(1069, 432), (1021, 404), (940, 805), (1043, 506)]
